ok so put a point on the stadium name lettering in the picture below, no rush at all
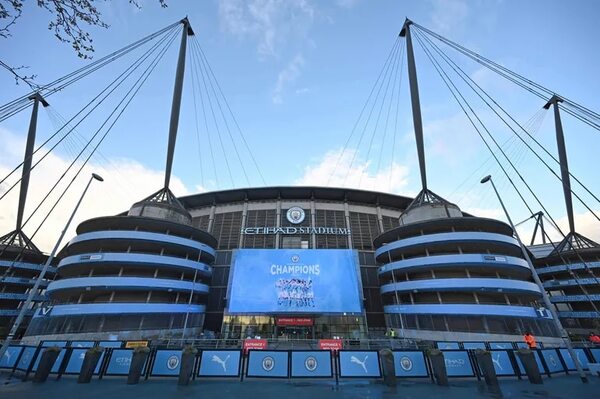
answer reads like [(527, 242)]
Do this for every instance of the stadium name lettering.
[(296, 230)]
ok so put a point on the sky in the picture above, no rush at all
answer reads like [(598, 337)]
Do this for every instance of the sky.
[(296, 74)]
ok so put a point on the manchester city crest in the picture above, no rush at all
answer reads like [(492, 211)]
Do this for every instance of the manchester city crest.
[(268, 363), (295, 215), (172, 362), (311, 363), (406, 363)]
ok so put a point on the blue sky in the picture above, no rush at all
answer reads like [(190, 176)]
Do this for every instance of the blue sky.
[(296, 74)]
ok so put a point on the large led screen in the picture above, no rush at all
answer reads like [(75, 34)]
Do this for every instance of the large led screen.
[(294, 281)]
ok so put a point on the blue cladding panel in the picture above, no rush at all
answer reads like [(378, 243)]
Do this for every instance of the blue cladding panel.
[(57, 363), (82, 344), (410, 364), (502, 364), (359, 364), (167, 362), (26, 358), (60, 344), (581, 357), (110, 344), (458, 364), (295, 281), (267, 364), (596, 354), (10, 357), (220, 364), (311, 364), (76, 360), (448, 345), (120, 361), (501, 345), (537, 360), (474, 345), (552, 360), (522, 345)]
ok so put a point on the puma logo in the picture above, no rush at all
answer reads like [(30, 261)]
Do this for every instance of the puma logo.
[(222, 362), (496, 361), (354, 359)]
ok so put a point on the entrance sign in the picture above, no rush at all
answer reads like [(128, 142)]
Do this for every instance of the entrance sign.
[(292, 281), (259, 344), (331, 344), (294, 321)]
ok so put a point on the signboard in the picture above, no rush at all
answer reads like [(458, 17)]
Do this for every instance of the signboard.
[(448, 345), (295, 281), (76, 360), (359, 364), (294, 321), (270, 364), (311, 364), (581, 357), (259, 344), (220, 363), (331, 344), (502, 363), (9, 359), (552, 361), (166, 362), (410, 364), (458, 364), (136, 344), (119, 362)]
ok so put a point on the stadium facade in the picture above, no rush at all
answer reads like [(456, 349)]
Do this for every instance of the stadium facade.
[(295, 262)]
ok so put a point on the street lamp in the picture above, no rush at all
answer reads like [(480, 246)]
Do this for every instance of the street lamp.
[(40, 277), (537, 280)]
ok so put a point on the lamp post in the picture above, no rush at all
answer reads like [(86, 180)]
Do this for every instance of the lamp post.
[(40, 277), (537, 280)]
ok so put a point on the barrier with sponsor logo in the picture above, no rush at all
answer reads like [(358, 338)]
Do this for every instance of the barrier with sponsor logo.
[(458, 363), (9, 360), (311, 364), (166, 363), (220, 363), (503, 364), (552, 360), (76, 360), (569, 363), (410, 364), (359, 364), (538, 360), (268, 364)]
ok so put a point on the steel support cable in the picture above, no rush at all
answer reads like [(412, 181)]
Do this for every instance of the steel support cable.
[(584, 120), (472, 84), (486, 61), (364, 107), (389, 110), (139, 83), (449, 82), (214, 117), (383, 100), (116, 82), (375, 101), (50, 89), (216, 97), (194, 40), (205, 118), (396, 119), (192, 63)]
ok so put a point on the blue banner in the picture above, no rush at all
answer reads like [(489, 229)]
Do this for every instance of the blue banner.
[(220, 363), (295, 281), (502, 363), (448, 345), (10, 357), (501, 345), (537, 360), (76, 361), (458, 364), (410, 364), (57, 363), (311, 364), (552, 360), (26, 358), (167, 362), (267, 364), (359, 364), (119, 362), (474, 345), (581, 357)]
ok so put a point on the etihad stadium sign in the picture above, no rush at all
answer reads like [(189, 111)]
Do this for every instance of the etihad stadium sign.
[(296, 230)]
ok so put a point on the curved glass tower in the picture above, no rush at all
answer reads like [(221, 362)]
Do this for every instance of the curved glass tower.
[(445, 276), (140, 276)]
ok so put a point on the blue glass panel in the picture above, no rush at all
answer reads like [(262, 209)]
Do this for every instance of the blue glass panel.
[(76, 360), (410, 364), (359, 364), (311, 364), (110, 344), (82, 344), (458, 364), (596, 354), (474, 345), (219, 363), (26, 358), (501, 345), (267, 364), (60, 344), (10, 356), (448, 345)]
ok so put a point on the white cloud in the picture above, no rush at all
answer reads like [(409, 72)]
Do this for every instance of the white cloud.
[(446, 15), (586, 224), (125, 182), (335, 171), (287, 76), (270, 22)]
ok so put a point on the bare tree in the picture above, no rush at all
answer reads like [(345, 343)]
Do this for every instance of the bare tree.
[(71, 18)]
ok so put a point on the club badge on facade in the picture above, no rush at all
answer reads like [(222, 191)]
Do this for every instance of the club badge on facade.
[(172, 362), (268, 363), (295, 215), (406, 363)]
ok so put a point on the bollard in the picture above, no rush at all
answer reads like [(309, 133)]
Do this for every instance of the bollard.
[(530, 365), (484, 359), (90, 361), (188, 358), (138, 359), (389, 368), (438, 364), (47, 360)]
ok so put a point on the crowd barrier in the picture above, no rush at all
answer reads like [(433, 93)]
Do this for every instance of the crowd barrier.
[(234, 363)]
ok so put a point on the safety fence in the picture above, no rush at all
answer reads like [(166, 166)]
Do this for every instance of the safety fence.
[(115, 360)]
